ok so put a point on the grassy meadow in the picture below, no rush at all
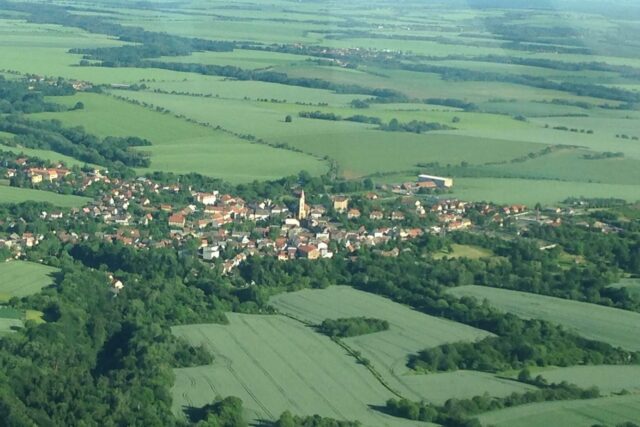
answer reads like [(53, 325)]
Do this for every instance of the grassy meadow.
[(19, 195), (21, 278), (464, 251), (9, 324), (611, 325)]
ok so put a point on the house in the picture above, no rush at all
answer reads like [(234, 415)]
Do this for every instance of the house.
[(36, 178), (353, 214), (376, 215), (278, 210), (210, 252), (292, 222), (309, 252), (340, 203), (397, 216), (116, 285), (207, 198), (177, 220), (459, 224)]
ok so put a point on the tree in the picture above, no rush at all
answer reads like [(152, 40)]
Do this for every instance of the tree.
[(524, 375), (288, 119)]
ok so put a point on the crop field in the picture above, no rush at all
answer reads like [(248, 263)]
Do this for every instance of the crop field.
[(19, 195), (218, 87), (530, 192), (274, 364), (359, 149), (614, 326), (575, 413), (437, 388), (465, 39), (183, 147), (572, 165), (248, 59), (410, 331), (608, 378), (21, 278)]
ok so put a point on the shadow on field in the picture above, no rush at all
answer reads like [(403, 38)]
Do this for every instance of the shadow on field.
[(382, 409), (262, 423), (194, 414)]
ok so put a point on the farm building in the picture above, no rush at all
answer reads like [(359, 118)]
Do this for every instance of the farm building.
[(438, 180)]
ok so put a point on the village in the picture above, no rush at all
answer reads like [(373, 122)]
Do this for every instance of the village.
[(224, 229)]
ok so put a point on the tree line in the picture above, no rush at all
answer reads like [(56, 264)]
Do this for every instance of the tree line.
[(352, 326), (414, 126), (75, 142), (21, 96)]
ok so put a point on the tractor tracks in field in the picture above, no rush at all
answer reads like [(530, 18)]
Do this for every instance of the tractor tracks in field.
[(353, 353)]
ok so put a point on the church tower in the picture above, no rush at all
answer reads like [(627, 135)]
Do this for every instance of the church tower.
[(302, 207)]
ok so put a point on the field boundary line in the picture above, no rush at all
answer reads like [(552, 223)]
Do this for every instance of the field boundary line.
[(353, 353)]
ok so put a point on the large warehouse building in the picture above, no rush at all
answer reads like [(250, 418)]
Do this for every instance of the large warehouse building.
[(438, 180)]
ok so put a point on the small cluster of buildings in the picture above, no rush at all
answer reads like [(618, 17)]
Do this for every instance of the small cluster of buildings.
[(38, 175), (424, 182), (18, 243)]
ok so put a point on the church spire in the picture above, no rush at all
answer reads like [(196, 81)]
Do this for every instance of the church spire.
[(302, 207)]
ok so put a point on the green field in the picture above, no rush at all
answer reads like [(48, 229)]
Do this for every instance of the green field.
[(359, 148), (431, 33), (574, 413), (614, 326), (274, 364), (19, 195), (464, 251), (7, 325), (410, 331), (530, 192), (248, 59), (608, 378), (51, 156), (21, 278), (183, 147)]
